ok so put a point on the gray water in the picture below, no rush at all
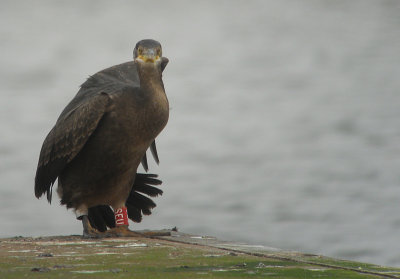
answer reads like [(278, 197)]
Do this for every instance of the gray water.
[(285, 116)]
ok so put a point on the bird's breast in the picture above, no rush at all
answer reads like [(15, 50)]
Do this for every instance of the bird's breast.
[(140, 116)]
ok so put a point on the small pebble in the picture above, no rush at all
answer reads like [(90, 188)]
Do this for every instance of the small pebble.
[(40, 269), (61, 266), (45, 255), (261, 265), (115, 270)]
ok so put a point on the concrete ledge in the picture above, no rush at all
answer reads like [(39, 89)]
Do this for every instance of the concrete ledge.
[(177, 256), (290, 256)]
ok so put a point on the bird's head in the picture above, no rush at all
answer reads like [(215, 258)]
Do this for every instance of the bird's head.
[(148, 51)]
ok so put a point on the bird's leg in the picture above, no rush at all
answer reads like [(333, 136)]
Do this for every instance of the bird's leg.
[(121, 224), (121, 227), (88, 230)]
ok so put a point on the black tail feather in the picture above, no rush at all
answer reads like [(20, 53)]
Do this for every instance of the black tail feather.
[(143, 184), (146, 178), (134, 213), (149, 190), (102, 216), (142, 202)]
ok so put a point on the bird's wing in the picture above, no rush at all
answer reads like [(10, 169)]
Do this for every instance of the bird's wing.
[(164, 62), (66, 139)]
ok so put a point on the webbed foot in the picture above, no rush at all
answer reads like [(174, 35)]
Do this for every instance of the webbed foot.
[(88, 230), (124, 231), (121, 231)]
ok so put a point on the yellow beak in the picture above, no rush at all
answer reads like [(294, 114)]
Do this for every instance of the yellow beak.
[(148, 58)]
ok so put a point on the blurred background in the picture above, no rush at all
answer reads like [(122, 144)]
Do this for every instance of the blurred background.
[(285, 116)]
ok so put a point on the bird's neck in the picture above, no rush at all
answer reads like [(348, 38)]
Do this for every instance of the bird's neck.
[(152, 85), (157, 106), (150, 77)]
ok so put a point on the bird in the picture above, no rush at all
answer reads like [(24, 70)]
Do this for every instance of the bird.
[(99, 140)]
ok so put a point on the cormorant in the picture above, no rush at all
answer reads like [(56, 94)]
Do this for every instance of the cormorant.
[(100, 139)]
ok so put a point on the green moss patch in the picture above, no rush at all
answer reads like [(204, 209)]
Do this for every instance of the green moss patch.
[(74, 257)]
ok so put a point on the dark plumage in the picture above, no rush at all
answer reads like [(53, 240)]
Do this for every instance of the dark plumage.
[(102, 216), (102, 136)]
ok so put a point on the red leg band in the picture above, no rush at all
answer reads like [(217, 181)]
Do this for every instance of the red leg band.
[(121, 216)]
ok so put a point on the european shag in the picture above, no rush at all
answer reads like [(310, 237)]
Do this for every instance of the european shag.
[(100, 139)]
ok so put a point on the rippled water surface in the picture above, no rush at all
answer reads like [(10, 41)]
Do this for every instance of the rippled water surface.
[(285, 116)]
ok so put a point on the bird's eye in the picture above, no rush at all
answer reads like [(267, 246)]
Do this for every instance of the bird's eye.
[(158, 52), (140, 50)]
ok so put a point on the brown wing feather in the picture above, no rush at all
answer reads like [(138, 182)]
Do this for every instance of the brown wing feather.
[(66, 139)]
